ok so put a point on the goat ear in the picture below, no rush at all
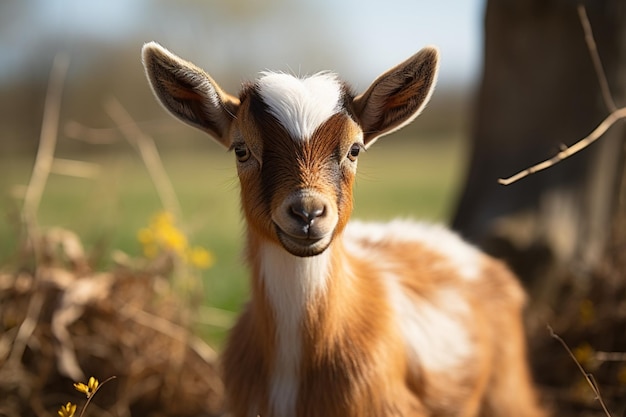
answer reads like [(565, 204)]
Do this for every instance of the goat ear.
[(396, 97), (188, 92)]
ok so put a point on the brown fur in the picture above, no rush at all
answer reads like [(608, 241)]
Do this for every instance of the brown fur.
[(354, 358)]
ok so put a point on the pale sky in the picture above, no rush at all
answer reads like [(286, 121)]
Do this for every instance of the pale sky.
[(357, 38)]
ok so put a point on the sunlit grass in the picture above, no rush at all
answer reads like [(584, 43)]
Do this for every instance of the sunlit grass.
[(408, 177), (397, 177)]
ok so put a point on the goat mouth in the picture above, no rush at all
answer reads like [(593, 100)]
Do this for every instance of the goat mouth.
[(302, 246)]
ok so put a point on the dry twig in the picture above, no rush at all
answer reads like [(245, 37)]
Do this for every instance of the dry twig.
[(615, 115), (588, 376), (47, 142), (149, 153), (610, 356), (35, 188), (27, 327), (172, 330), (595, 58), (569, 151), (73, 168)]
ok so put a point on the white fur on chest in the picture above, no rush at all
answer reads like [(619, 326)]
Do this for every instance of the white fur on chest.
[(291, 282)]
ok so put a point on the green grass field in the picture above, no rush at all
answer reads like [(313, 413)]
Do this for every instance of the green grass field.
[(397, 177)]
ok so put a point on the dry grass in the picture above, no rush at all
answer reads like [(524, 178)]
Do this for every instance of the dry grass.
[(61, 322)]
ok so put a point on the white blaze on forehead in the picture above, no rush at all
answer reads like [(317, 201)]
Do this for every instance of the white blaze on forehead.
[(301, 105)]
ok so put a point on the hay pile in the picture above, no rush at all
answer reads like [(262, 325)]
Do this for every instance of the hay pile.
[(592, 321), (61, 322)]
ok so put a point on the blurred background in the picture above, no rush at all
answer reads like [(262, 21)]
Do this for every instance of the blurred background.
[(517, 84), (108, 199), (233, 40), (98, 209)]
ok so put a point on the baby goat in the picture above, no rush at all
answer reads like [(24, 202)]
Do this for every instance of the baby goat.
[(348, 319)]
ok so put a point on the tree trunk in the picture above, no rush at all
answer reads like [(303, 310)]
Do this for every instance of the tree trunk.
[(539, 92)]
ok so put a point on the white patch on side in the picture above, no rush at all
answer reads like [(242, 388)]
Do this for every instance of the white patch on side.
[(301, 105), (433, 329), (291, 282), (465, 258)]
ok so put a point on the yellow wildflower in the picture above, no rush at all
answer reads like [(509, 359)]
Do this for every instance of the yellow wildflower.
[(172, 239), (621, 375), (162, 235), (145, 236), (163, 218), (89, 388), (67, 410), (200, 258), (584, 354), (150, 251), (587, 312)]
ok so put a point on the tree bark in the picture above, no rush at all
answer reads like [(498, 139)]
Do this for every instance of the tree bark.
[(559, 229), (539, 92)]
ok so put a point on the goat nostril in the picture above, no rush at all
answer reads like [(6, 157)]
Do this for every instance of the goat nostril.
[(308, 215), (318, 212)]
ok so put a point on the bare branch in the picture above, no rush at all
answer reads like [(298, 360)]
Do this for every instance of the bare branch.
[(610, 356), (35, 188), (567, 152), (149, 153), (588, 377), (615, 115), (172, 330), (28, 326), (77, 131), (47, 141), (72, 168), (595, 58)]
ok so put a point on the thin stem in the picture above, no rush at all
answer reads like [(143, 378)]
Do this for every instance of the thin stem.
[(82, 411), (595, 58), (614, 116), (36, 185), (588, 377), (610, 356), (569, 151), (149, 154), (47, 142)]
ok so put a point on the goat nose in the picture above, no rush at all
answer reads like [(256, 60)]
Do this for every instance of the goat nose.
[(307, 213)]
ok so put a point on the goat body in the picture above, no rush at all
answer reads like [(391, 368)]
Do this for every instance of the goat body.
[(348, 318)]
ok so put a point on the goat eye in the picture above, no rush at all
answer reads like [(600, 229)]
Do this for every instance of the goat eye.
[(242, 152), (354, 151)]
